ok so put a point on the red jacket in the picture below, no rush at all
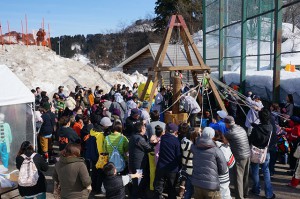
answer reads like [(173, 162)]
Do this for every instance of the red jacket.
[(293, 133)]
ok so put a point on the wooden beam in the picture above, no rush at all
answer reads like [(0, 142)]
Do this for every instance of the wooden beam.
[(173, 68), (216, 94)]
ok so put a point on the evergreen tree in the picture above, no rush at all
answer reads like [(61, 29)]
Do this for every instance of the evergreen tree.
[(191, 10)]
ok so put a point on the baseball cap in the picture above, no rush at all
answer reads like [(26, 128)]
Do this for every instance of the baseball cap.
[(229, 120), (171, 127), (105, 121), (208, 133), (222, 114)]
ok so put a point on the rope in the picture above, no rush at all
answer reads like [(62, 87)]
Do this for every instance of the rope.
[(241, 97), (180, 98)]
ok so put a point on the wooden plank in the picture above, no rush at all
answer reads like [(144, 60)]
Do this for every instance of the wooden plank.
[(174, 68), (166, 42), (216, 93)]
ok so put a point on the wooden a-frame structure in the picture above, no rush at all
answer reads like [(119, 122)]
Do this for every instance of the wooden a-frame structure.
[(177, 21)]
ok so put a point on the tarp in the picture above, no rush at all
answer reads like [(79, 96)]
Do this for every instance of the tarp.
[(12, 89)]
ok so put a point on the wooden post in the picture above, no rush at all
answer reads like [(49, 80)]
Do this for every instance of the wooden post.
[(176, 93)]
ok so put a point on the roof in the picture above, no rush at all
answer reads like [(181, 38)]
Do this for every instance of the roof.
[(175, 56), (12, 89)]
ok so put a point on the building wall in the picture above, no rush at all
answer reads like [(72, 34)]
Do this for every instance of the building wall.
[(140, 64)]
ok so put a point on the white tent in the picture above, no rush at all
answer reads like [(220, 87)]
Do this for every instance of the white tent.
[(12, 89), (17, 105)]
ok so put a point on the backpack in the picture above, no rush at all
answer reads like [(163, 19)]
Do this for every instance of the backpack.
[(115, 156), (28, 175)]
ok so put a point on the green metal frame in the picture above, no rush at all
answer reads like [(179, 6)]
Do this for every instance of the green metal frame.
[(221, 39), (243, 46), (275, 33), (204, 29)]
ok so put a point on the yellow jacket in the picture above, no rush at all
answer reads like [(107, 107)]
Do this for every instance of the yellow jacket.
[(99, 139)]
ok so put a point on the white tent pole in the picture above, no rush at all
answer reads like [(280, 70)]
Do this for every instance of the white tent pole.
[(34, 125)]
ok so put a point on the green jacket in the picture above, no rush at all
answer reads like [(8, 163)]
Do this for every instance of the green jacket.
[(72, 175)]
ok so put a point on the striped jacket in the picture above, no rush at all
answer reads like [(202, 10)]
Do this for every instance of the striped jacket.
[(186, 147), (238, 141)]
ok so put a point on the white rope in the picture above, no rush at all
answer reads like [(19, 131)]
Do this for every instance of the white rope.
[(179, 98), (241, 96)]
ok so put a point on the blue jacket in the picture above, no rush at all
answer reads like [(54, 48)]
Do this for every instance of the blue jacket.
[(169, 154), (220, 126)]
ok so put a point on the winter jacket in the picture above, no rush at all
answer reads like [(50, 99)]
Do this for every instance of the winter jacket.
[(120, 106), (293, 133), (138, 152), (47, 126), (72, 175), (70, 103), (190, 105), (41, 185), (145, 115), (67, 135), (114, 139), (219, 126), (252, 115), (238, 141), (159, 102), (169, 153), (209, 162), (77, 128), (260, 135), (186, 145), (85, 134), (99, 135)]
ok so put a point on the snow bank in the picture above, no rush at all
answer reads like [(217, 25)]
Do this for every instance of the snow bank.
[(39, 66)]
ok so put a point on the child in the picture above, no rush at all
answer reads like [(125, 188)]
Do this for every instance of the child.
[(114, 184)]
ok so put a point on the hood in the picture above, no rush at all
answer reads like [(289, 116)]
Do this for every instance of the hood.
[(265, 129), (69, 160), (118, 97), (205, 143)]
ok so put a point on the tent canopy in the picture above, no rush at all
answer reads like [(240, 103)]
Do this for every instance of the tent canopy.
[(12, 89)]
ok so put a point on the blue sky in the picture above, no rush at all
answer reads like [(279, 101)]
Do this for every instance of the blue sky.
[(70, 17)]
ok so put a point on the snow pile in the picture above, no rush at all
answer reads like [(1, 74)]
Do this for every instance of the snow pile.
[(261, 83), (81, 58), (39, 66)]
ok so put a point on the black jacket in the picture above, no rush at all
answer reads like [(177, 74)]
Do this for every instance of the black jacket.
[(169, 154), (114, 187), (260, 135), (47, 126), (138, 152), (67, 135), (41, 185)]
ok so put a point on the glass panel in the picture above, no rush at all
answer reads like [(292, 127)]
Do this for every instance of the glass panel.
[(266, 62), (252, 36), (213, 64), (233, 11), (232, 64), (212, 45), (232, 40), (212, 15), (255, 7)]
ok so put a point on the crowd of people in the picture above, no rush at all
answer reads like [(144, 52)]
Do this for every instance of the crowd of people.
[(113, 144)]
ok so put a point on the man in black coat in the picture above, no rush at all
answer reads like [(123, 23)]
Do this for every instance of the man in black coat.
[(138, 160), (131, 121)]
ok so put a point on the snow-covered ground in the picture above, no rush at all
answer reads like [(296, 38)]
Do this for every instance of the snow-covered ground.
[(39, 66)]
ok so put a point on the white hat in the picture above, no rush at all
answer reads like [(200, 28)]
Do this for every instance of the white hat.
[(105, 121), (222, 114), (208, 133)]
